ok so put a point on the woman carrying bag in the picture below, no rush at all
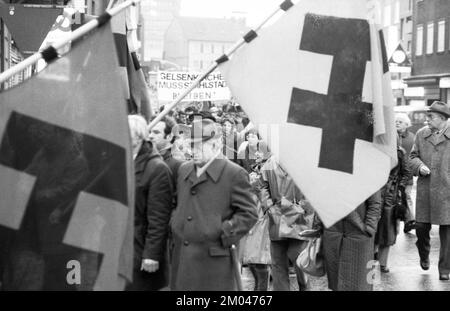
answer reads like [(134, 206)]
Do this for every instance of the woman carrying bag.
[(255, 245), (289, 214)]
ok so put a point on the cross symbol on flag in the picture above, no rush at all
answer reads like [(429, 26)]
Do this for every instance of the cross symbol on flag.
[(318, 76)]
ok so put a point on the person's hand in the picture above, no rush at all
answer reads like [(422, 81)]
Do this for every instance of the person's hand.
[(149, 265), (424, 170)]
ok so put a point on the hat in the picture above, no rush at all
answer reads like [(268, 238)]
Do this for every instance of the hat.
[(200, 131), (440, 107)]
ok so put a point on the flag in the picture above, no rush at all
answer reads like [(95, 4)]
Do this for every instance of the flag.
[(124, 28), (66, 175), (19, 17), (318, 80)]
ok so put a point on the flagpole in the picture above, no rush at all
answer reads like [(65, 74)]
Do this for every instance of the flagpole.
[(78, 33), (284, 6)]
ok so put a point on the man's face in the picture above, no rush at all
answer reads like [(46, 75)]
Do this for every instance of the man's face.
[(157, 136), (202, 152), (434, 121), (252, 139), (400, 125)]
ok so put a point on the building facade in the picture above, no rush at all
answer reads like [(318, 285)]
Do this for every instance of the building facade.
[(156, 16), (430, 78), (397, 26), (195, 43)]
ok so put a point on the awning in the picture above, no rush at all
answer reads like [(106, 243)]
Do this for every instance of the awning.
[(29, 25)]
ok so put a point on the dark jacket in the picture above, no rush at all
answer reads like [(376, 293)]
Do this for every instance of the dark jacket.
[(172, 163), (214, 211), (153, 206), (349, 247), (397, 181), (406, 141)]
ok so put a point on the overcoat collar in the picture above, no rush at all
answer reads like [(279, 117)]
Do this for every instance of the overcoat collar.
[(427, 133), (214, 171)]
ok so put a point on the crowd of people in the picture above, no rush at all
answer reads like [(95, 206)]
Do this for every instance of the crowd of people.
[(206, 183)]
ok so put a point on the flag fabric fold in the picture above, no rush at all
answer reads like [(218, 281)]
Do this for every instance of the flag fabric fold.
[(66, 175), (317, 79), (125, 27)]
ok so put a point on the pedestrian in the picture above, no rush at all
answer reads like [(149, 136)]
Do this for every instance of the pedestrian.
[(162, 138), (286, 202), (391, 199), (153, 207), (215, 210), (248, 150), (406, 139), (430, 160), (349, 247), (256, 245)]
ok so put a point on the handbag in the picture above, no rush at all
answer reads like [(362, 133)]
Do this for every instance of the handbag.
[(311, 259), (256, 244), (401, 205), (289, 220)]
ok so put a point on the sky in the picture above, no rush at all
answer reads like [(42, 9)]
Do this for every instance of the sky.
[(254, 10)]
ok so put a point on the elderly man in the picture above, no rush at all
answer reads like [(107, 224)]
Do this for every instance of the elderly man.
[(215, 210), (430, 158), (406, 141)]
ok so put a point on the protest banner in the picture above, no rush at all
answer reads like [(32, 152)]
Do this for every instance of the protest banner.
[(171, 84)]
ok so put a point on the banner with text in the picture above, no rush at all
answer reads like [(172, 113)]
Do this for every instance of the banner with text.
[(170, 84)]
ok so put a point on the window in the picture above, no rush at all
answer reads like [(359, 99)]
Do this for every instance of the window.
[(441, 37), (223, 48), (212, 48), (419, 40), (201, 64), (430, 37), (201, 47)]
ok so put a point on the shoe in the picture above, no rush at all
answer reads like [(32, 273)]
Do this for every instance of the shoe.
[(443, 277), (384, 269), (425, 264), (410, 225)]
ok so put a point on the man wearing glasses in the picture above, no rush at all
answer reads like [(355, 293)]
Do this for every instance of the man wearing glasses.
[(430, 160)]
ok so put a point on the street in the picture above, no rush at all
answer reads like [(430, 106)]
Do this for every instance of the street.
[(405, 272)]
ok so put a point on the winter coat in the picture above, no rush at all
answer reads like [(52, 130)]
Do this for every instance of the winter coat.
[(433, 195), (214, 211), (398, 179), (349, 247), (153, 207), (406, 141), (281, 186)]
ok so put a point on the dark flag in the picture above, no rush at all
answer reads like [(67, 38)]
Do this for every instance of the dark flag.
[(130, 68), (66, 181)]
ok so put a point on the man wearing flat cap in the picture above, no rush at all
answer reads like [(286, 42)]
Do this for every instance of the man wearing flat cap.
[(215, 210), (430, 160)]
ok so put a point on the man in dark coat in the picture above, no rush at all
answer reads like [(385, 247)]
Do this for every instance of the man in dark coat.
[(153, 207), (349, 247), (215, 210), (430, 160)]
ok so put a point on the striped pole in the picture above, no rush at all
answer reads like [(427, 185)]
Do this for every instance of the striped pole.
[(252, 34)]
